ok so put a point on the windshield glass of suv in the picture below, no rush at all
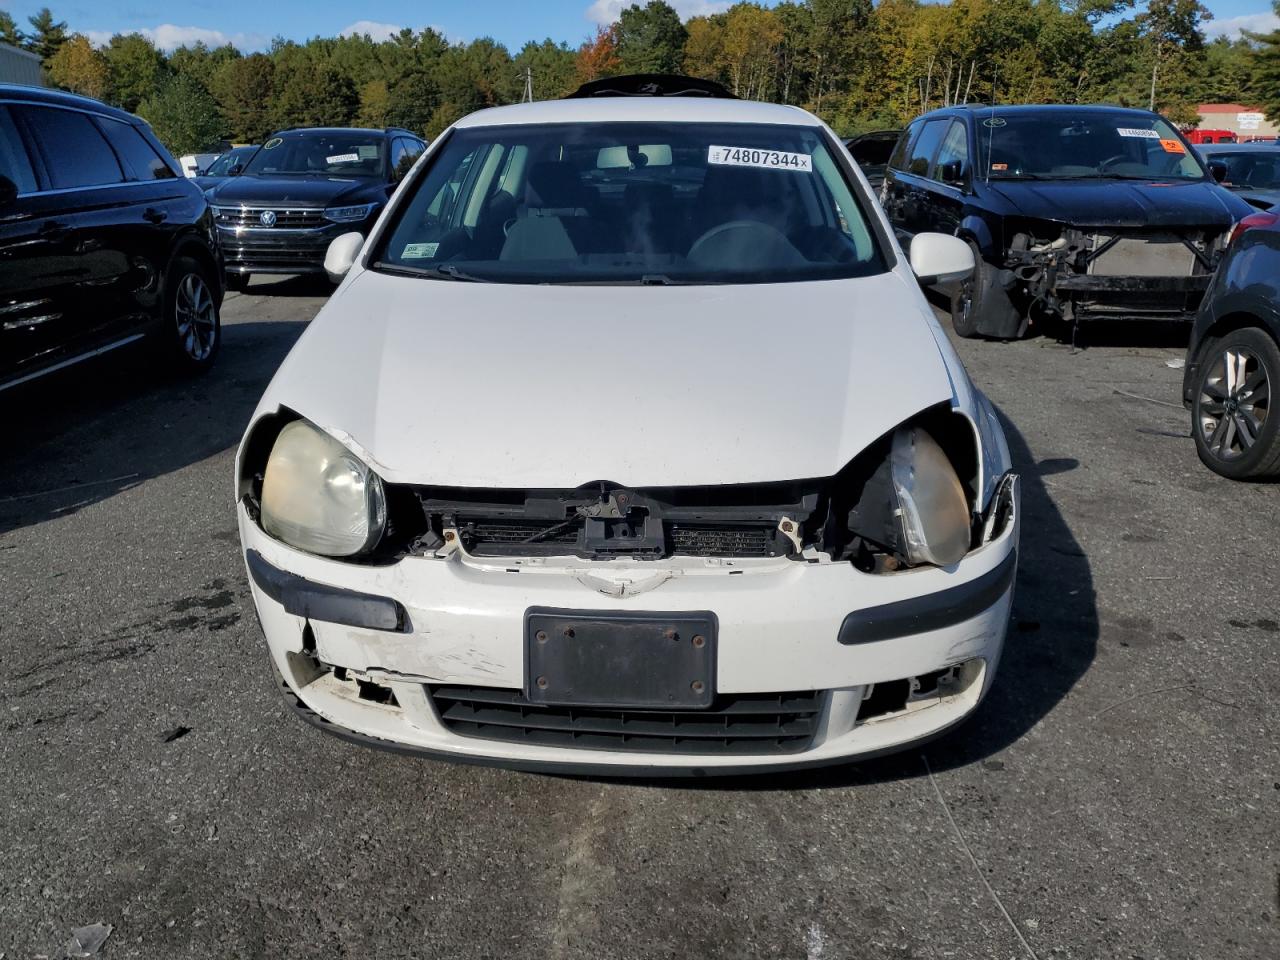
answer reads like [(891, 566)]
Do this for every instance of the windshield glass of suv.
[(1091, 144), (1257, 169), (333, 154), (632, 203)]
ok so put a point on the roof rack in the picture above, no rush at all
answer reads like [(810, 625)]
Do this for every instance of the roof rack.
[(651, 85)]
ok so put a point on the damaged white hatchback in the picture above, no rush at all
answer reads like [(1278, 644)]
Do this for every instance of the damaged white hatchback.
[(628, 444)]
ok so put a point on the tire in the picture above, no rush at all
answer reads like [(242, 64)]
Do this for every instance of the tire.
[(192, 325), (1236, 434), (970, 296), (238, 282)]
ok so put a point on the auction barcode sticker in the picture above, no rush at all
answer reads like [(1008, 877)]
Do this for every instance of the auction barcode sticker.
[(752, 157), (343, 158), (1137, 132)]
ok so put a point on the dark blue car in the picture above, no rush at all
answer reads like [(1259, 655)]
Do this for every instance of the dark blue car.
[(1075, 213)]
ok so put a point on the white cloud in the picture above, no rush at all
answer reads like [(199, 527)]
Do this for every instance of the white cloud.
[(169, 37), (377, 31), (604, 12), (1233, 26)]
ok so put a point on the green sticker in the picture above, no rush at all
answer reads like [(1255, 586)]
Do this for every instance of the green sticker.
[(419, 251), (272, 143)]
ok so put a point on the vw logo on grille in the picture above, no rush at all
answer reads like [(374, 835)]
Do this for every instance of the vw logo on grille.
[(267, 218)]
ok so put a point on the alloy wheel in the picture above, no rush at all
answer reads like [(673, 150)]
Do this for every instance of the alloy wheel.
[(196, 316), (1235, 399)]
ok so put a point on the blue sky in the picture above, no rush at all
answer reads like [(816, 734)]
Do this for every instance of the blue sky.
[(251, 25)]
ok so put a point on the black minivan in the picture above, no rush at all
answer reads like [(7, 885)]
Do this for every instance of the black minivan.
[(1075, 213), (102, 240)]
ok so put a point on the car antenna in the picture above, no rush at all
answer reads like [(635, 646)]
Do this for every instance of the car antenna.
[(991, 120)]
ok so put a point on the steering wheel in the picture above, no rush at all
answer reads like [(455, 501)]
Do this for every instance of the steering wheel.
[(1111, 161), (721, 229)]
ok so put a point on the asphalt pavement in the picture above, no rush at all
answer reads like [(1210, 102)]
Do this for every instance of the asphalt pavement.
[(1116, 796)]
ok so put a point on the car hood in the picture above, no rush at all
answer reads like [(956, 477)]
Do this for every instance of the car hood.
[(501, 385), (1264, 199), (304, 191), (1123, 203)]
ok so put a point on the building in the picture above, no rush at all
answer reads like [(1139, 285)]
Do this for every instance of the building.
[(20, 66), (1246, 122)]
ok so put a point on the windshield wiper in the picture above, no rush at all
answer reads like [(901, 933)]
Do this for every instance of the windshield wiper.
[(443, 271)]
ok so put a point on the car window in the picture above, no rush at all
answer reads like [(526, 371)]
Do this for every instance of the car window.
[(1085, 144), (14, 162), (923, 149), (1255, 169), (872, 151), (141, 158), (653, 202), (404, 153), (898, 159), (74, 149), (328, 153), (954, 149)]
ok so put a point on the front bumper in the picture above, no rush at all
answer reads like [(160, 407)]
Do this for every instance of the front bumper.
[(456, 623), (280, 250)]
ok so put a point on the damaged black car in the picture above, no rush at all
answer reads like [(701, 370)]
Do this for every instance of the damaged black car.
[(1075, 213)]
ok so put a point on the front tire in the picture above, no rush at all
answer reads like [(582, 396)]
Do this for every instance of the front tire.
[(1236, 435), (193, 327), (970, 297)]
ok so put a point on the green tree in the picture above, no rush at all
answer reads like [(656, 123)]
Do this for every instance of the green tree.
[(77, 67), (375, 100), (311, 93), (47, 34), (1266, 70), (201, 63), (1169, 28), (9, 32), (552, 65), (136, 69), (183, 115), (243, 88), (650, 39)]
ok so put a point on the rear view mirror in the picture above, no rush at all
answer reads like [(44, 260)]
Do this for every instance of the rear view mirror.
[(235, 170), (8, 191), (939, 258), (1218, 169), (341, 255)]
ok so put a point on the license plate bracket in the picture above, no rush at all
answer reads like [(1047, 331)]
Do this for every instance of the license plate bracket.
[(620, 659)]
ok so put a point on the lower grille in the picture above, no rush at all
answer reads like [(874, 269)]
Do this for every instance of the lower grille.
[(272, 255), (708, 540), (736, 724)]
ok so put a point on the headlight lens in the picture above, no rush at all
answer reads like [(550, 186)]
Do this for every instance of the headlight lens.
[(349, 214), (320, 497), (931, 500)]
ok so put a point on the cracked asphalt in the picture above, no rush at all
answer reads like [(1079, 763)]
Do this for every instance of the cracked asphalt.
[(1117, 795)]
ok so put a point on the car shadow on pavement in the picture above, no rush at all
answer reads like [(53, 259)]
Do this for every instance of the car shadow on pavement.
[(1052, 640), (82, 435), (292, 285)]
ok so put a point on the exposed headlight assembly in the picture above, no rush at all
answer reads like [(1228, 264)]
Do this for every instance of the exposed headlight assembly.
[(349, 214), (320, 497)]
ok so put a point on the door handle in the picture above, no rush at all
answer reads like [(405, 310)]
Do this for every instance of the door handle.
[(153, 215), (52, 230)]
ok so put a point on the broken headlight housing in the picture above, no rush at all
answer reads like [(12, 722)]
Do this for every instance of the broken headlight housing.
[(931, 504), (320, 497)]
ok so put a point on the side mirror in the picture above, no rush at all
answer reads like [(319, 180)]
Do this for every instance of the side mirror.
[(939, 258), (341, 255), (1218, 169), (235, 170), (8, 191), (950, 172)]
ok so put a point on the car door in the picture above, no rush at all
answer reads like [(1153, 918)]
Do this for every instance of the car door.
[(79, 213), (892, 192), (949, 177), (33, 309), (918, 200)]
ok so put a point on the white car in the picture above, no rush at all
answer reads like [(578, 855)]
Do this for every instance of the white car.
[(629, 444)]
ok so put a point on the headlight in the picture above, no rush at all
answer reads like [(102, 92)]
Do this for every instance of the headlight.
[(320, 497), (931, 502), (349, 214)]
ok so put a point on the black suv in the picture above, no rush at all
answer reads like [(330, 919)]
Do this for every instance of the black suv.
[(278, 213), (1074, 212), (102, 240)]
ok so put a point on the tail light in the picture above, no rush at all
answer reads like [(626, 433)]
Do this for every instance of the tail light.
[(1262, 219)]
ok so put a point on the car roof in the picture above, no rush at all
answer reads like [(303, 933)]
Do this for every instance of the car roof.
[(1270, 146), (344, 131), (640, 110), (59, 98), (1028, 109)]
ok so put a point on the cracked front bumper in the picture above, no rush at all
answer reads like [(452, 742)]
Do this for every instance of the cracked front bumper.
[(779, 629)]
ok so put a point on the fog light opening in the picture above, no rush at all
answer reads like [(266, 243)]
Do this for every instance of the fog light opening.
[(895, 697)]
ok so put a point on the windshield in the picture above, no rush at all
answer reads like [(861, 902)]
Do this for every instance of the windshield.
[(1255, 169), (334, 153), (222, 166), (632, 203), (1091, 144)]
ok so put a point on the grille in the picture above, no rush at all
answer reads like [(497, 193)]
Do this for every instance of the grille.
[(273, 256), (721, 541), (285, 219), (506, 536), (480, 531), (739, 724)]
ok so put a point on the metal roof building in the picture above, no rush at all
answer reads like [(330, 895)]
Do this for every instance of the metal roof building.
[(20, 66)]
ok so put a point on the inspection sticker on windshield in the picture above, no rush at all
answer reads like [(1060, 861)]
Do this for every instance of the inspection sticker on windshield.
[(768, 159), (1137, 132), (1173, 146), (343, 158), (419, 251)]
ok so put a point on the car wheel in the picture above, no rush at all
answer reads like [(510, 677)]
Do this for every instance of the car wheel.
[(970, 296), (193, 326), (1235, 434), (239, 282)]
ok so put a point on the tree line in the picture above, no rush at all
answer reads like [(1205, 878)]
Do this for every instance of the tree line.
[(859, 65)]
